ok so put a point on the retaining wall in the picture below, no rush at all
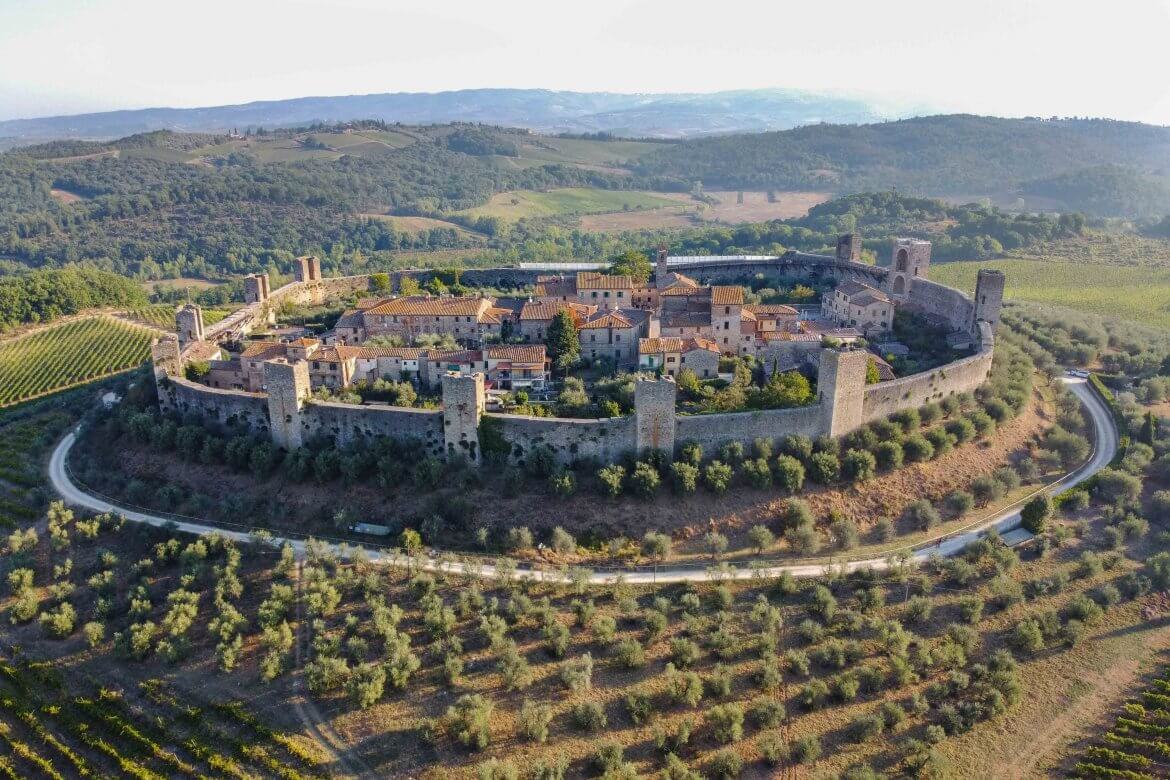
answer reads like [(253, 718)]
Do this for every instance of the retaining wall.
[(347, 423), (225, 407), (713, 430), (606, 440)]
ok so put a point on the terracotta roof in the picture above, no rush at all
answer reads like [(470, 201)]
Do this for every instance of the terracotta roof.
[(686, 319), (305, 342), (657, 345), (264, 350), (747, 316), (517, 353), (336, 354), (724, 295), (495, 314), (405, 353), (546, 310), (771, 310), (700, 343), (591, 280), (885, 370), (862, 294), (201, 350), (456, 356), (662, 344), (350, 319), (610, 319), (555, 288), (427, 306), (684, 291), (676, 279)]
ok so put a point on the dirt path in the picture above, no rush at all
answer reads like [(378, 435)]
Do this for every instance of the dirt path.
[(1108, 688)]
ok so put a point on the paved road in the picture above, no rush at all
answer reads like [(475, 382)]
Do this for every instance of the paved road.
[(1103, 451)]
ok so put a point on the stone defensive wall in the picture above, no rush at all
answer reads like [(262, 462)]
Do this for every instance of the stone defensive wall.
[(291, 417)]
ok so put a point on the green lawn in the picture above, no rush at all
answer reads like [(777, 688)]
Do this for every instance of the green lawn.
[(1139, 293), (562, 202)]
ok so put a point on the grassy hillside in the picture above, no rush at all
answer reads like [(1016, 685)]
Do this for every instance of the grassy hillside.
[(1118, 275)]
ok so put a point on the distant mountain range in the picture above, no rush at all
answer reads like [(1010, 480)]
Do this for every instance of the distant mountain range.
[(639, 115)]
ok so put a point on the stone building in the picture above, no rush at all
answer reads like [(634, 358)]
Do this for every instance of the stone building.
[(536, 316), (670, 355), (613, 335), (858, 305)]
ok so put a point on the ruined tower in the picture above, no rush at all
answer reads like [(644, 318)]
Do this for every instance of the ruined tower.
[(841, 389), (654, 414), (301, 269), (661, 273), (910, 260), (989, 285), (255, 288), (189, 323), (849, 247), (463, 406), (164, 356), (288, 387)]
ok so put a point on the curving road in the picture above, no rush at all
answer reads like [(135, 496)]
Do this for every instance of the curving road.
[(1105, 445)]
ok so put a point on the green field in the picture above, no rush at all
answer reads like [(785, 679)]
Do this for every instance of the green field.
[(1141, 294), (69, 354), (565, 202)]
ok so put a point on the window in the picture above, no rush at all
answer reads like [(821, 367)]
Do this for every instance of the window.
[(595, 293), (727, 310), (726, 326), (606, 294), (724, 339), (619, 294), (670, 360), (592, 337), (617, 337)]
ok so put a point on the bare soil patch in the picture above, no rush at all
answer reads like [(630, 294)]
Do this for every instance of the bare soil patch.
[(66, 197), (690, 212)]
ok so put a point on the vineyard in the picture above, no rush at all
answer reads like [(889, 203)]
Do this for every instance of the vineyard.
[(1138, 745), (69, 354), (162, 316)]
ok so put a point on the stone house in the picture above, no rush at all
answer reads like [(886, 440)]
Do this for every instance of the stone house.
[(517, 367), (469, 320), (536, 316), (670, 355), (860, 306), (614, 335)]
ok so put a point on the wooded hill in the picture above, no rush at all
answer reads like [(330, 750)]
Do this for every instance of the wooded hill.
[(940, 155)]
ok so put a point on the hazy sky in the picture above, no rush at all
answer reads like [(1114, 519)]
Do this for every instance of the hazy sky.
[(1012, 57)]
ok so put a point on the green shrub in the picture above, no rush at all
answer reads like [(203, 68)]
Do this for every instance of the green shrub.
[(644, 480), (717, 477), (468, 721), (726, 722), (588, 716), (824, 468), (611, 479), (684, 477)]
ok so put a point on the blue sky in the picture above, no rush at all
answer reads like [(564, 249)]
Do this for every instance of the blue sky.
[(1025, 57)]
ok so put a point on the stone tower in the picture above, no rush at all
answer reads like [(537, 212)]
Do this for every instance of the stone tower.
[(849, 247), (288, 387), (463, 406), (189, 322), (654, 414), (841, 389), (256, 288), (314, 268), (301, 269), (989, 286), (661, 272), (909, 260), (164, 355)]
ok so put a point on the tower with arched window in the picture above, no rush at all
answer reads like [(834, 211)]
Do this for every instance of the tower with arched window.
[(910, 260)]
